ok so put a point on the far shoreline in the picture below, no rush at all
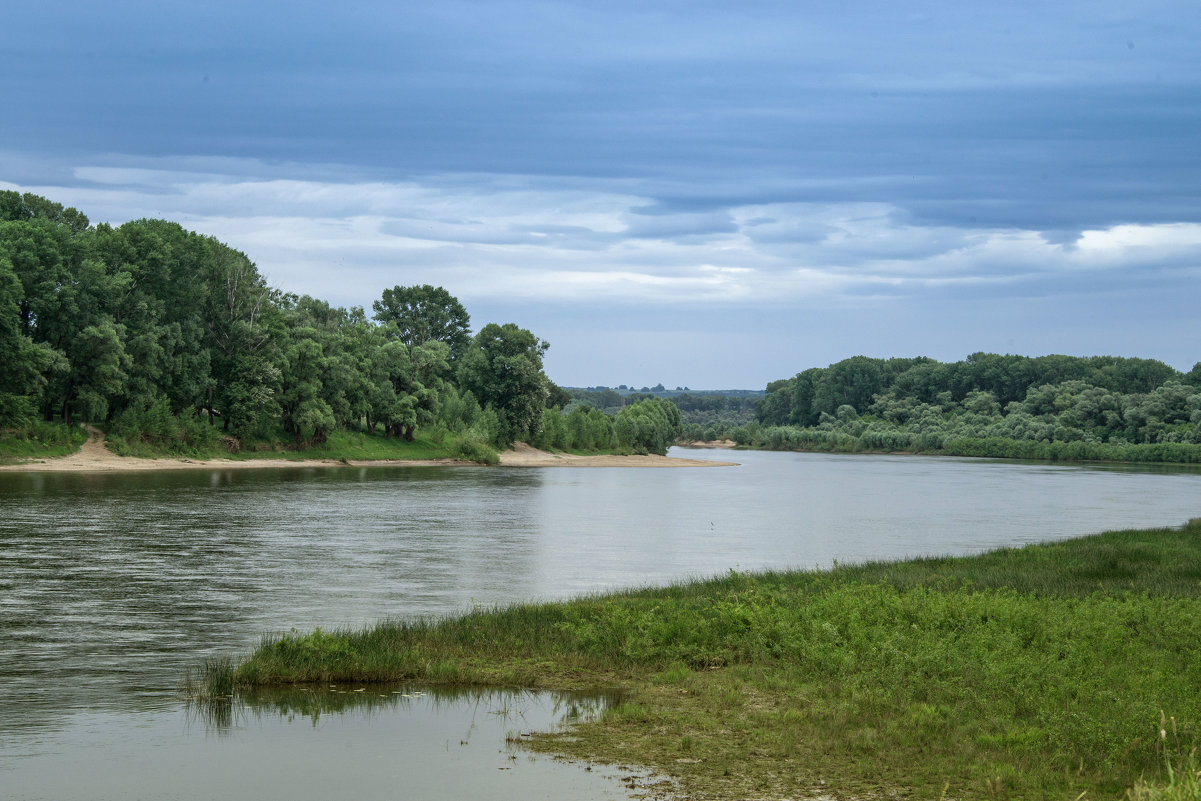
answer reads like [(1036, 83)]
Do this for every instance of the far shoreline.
[(94, 457)]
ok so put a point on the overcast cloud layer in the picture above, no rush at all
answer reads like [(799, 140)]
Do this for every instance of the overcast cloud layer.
[(703, 194)]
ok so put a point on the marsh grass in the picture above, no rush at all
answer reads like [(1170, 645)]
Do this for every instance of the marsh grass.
[(1183, 771), (211, 692), (1029, 672)]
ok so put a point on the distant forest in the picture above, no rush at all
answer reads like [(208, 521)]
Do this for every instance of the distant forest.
[(1046, 407), (167, 337), (164, 336), (706, 415)]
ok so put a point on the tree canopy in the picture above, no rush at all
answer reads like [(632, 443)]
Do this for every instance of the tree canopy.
[(423, 314), (147, 322), (502, 368), (922, 404)]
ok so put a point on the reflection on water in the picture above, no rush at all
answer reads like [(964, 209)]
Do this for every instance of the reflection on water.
[(227, 714), (359, 741)]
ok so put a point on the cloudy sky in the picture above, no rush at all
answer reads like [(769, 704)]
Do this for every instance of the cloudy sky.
[(705, 194)]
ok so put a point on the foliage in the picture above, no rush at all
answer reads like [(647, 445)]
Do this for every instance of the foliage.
[(502, 368), (1096, 408), (474, 445), (151, 423), (424, 314), (155, 331), (37, 438), (648, 426)]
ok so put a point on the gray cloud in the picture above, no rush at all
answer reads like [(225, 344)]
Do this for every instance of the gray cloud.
[(699, 157)]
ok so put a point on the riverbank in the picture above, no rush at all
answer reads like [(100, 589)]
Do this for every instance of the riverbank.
[(94, 457), (522, 455), (900, 441), (1032, 672)]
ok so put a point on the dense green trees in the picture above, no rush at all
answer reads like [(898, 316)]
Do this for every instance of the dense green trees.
[(648, 426), (651, 425), (988, 404), (23, 363), (423, 314), (502, 368), (167, 335), (176, 339)]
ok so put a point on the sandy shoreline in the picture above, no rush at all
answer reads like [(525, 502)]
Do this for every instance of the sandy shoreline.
[(523, 455), (93, 457)]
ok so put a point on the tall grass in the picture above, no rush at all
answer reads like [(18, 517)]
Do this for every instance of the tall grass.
[(1183, 772), (39, 440)]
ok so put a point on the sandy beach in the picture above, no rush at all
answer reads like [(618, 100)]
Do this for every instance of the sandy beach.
[(523, 455), (93, 457)]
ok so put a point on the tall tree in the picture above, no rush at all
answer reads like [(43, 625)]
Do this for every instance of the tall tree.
[(503, 369), (423, 314), (244, 330), (21, 369)]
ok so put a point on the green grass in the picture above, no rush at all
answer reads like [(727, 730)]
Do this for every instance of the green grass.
[(39, 440), (351, 445), (1182, 781), (1037, 672)]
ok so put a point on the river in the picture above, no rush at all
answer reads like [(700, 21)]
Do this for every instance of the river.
[(111, 585)]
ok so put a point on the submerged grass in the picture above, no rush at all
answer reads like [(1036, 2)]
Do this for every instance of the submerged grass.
[(1035, 672)]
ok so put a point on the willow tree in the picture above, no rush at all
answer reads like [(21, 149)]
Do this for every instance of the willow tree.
[(503, 369)]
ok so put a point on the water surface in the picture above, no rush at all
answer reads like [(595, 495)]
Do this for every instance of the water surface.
[(111, 585)]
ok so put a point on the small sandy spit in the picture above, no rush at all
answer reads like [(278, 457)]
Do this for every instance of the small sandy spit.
[(93, 457), (523, 455)]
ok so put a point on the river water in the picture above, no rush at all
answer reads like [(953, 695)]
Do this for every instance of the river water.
[(111, 585)]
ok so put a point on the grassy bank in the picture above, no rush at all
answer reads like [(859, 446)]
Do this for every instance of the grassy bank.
[(39, 440), (340, 446), (1037, 672)]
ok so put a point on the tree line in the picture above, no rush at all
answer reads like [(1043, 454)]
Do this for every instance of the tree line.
[(169, 336), (1064, 407)]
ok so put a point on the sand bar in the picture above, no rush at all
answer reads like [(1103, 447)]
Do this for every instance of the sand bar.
[(523, 455)]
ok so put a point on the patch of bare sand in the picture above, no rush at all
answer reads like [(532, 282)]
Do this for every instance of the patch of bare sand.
[(523, 455), (713, 443)]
